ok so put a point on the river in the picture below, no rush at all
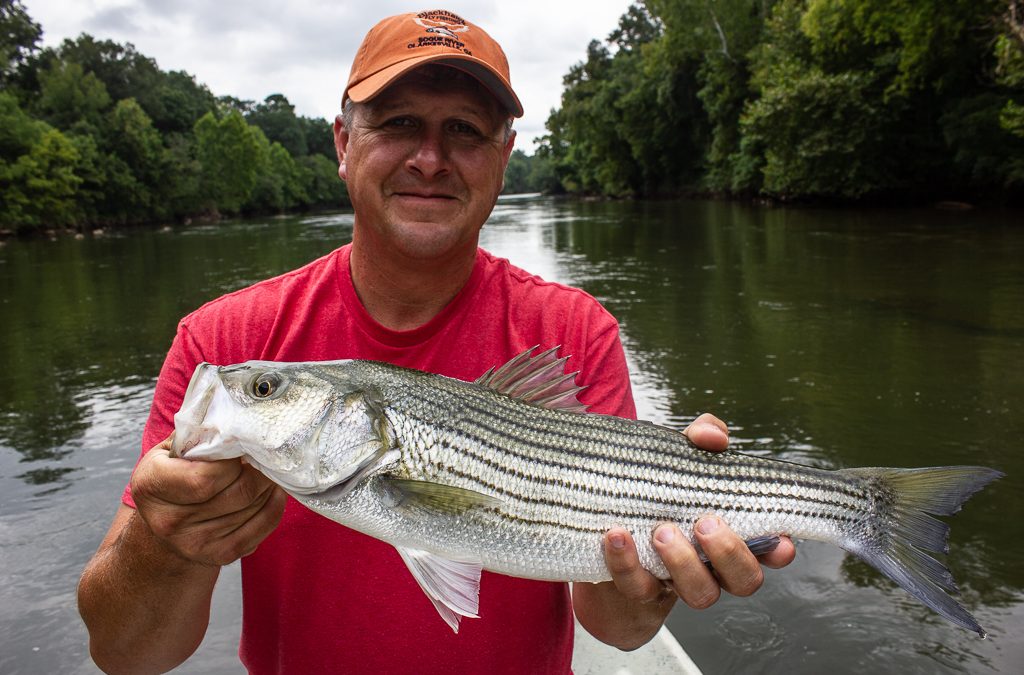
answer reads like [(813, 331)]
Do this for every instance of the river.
[(830, 337)]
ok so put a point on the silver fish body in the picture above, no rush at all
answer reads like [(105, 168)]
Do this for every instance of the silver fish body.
[(506, 474)]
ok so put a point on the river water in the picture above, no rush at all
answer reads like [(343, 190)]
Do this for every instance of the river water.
[(833, 338)]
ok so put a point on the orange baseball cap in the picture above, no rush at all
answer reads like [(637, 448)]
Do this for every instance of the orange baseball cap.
[(400, 43)]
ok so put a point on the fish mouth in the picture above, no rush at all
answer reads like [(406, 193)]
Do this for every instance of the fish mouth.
[(189, 430)]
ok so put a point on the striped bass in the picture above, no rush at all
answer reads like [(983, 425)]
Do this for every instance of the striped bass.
[(506, 474)]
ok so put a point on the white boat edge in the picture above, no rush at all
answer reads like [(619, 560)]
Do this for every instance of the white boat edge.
[(662, 655)]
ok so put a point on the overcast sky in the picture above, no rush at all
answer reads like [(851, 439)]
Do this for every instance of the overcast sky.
[(304, 48)]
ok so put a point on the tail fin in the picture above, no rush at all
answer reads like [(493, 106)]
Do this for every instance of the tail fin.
[(903, 531)]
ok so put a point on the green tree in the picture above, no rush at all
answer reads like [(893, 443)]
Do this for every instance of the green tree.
[(820, 136), (865, 97), (226, 104), (174, 100), (517, 173), (18, 131), (542, 176), (707, 46), (585, 139), (282, 184), (37, 171), (319, 135), (19, 38), (182, 191), (630, 121), (324, 187), (797, 98), (93, 132), (178, 102), (1009, 49), (71, 98), (915, 43), (276, 117), (232, 158), (135, 148)]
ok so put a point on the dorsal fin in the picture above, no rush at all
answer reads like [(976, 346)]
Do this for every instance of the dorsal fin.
[(540, 380)]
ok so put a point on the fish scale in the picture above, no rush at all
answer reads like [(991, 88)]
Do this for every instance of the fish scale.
[(506, 474)]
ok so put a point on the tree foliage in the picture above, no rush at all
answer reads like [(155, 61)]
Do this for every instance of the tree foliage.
[(1009, 50), (37, 177), (233, 158), (846, 99), (19, 37), (276, 117), (92, 133)]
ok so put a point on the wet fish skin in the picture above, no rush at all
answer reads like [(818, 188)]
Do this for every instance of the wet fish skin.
[(505, 474)]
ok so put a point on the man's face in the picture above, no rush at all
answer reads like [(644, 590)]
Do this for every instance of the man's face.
[(424, 163)]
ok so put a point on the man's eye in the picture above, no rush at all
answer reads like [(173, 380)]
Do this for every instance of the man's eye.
[(400, 122), (464, 128)]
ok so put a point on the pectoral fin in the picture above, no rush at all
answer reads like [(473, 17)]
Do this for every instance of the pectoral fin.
[(453, 586), (436, 497)]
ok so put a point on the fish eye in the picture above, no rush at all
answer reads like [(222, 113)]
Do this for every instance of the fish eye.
[(265, 385)]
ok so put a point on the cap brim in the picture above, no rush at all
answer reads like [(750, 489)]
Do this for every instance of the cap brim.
[(369, 87)]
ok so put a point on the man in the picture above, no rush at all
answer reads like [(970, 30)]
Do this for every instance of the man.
[(422, 144)]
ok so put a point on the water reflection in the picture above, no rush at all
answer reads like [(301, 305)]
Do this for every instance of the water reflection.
[(94, 313), (825, 337)]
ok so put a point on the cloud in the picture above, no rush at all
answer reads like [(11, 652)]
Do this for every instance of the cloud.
[(113, 20)]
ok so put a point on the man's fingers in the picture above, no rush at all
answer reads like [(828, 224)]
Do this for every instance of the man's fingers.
[(708, 433), (783, 554), (690, 577), (632, 580), (243, 496), (209, 512), (254, 528), (180, 481), (736, 567)]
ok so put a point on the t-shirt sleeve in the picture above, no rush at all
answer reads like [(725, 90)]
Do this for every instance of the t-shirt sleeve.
[(182, 359), (604, 372)]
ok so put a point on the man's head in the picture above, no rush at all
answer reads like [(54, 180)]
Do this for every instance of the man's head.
[(425, 134)]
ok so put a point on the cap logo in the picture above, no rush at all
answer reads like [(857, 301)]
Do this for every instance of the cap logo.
[(442, 28)]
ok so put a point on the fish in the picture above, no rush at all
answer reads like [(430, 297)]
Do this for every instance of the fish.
[(509, 473)]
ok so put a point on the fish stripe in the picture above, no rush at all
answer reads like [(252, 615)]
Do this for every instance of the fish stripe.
[(484, 419), (753, 485), (610, 503), (576, 507)]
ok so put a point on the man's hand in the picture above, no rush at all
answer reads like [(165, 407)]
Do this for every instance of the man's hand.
[(628, 610), (211, 513)]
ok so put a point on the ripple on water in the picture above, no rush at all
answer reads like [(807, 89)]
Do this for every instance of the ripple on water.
[(754, 631)]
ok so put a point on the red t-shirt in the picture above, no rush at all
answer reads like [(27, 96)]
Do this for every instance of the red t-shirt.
[(321, 598)]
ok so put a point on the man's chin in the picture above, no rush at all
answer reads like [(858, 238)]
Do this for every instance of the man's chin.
[(427, 240)]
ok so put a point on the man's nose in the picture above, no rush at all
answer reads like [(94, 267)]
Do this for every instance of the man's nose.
[(430, 156)]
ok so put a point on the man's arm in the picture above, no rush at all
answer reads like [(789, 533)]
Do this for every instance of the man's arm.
[(627, 611), (145, 595)]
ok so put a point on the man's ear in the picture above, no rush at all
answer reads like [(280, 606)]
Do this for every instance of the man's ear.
[(341, 145), (509, 145), (507, 151)]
